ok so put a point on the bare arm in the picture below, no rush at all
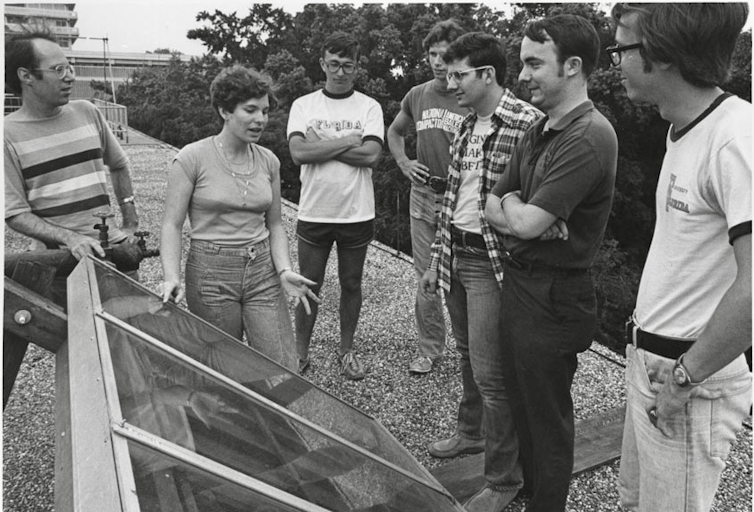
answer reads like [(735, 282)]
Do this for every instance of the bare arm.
[(728, 333), (496, 218), (396, 133), (494, 215), (313, 150), (294, 285), (34, 226), (121, 180), (176, 208), (726, 337), (522, 220), (366, 155)]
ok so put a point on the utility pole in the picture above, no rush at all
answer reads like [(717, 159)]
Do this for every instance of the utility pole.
[(105, 41)]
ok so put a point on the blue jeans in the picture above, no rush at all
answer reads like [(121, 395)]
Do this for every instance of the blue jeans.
[(679, 475), (548, 318), (474, 306), (238, 290), (430, 321)]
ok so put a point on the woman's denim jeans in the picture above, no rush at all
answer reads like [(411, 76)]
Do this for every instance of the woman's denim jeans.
[(238, 290), (681, 474), (474, 306)]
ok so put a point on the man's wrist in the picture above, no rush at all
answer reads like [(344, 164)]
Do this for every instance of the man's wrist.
[(681, 376), (509, 195)]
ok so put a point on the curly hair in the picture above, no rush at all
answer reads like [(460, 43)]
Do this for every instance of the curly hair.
[(237, 84)]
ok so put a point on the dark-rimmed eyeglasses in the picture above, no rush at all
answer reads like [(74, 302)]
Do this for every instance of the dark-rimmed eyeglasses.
[(458, 75), (334, 66), (61, 70), (615, 52)]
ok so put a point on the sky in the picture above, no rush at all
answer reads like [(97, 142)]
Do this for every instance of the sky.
[(141, 26)]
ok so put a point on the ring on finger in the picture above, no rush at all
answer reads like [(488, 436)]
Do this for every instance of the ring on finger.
[(652, 413)]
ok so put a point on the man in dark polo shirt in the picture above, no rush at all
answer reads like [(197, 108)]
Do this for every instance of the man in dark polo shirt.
[(552, 205)]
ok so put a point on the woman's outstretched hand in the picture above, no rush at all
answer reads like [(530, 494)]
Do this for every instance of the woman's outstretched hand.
[(297, 288)]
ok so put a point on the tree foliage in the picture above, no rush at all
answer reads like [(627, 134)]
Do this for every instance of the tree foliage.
[(172, 104)]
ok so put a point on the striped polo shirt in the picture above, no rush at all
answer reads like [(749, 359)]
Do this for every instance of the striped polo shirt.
[(56, 168)]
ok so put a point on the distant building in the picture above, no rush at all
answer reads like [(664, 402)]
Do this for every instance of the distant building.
[(113, 69), (60, 19)]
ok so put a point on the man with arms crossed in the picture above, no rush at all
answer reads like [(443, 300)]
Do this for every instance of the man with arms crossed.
[(56, 153), (688, 384), (552, 205), (466, 260), (336, 135), (434, 111)]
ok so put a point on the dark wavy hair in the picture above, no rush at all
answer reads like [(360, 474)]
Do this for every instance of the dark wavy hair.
[(237, 84), (20, 53), (448, 30), (482, 49), (698, 38), (342, 45), (572, 35)]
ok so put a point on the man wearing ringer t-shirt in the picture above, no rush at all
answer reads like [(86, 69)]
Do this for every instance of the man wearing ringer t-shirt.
[(336, 135), (688, 384), (56, 153)]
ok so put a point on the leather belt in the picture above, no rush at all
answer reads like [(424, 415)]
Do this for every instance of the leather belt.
[(467, 238), (436, 184), (539, 267), (662, 346)]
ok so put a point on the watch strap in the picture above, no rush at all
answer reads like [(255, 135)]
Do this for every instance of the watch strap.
[(688, 381)]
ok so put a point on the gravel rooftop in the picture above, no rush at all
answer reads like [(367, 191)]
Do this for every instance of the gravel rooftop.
[(416, 409)]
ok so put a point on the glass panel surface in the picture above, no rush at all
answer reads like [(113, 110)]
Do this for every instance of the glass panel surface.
[(168, 397), (166, 484), (137, 306)]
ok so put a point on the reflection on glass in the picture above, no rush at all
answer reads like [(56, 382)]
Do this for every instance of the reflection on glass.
[(133, 304), (171, 399), (165, 484)]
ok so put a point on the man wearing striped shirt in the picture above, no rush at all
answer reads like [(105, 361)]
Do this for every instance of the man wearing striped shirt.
[(55, 155)]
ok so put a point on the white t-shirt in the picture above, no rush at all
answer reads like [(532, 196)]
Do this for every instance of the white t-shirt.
[(333, 191), (466, 212), (704, 192)]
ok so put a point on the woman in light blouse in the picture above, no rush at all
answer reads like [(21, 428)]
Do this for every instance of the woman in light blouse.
[(238, 270)]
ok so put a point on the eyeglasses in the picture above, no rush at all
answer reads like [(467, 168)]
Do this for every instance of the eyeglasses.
[(458, 75), (614, 52), (334, 66), (60, 70)]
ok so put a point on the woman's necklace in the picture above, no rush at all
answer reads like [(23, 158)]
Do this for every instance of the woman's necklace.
[(243, 177)]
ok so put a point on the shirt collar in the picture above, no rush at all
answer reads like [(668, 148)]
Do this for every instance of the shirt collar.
[(337, 96), (501, 113), (570, 117)]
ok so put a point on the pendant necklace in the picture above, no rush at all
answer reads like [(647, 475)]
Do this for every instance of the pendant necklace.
[(243, 177)]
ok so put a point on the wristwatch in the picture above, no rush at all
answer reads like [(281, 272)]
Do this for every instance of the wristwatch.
[(681, 374)]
